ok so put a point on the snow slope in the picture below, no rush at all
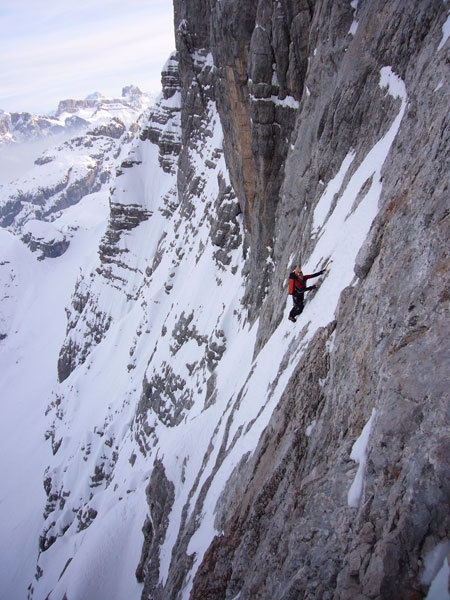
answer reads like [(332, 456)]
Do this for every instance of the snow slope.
[(33, 296)]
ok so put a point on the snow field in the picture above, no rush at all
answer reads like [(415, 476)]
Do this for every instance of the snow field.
[(36, 323)]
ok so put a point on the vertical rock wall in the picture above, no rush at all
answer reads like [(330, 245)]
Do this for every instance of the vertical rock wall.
[(385, 355), (260, 57)]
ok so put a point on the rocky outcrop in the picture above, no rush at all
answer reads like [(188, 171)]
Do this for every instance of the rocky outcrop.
[(225, 227), (155, 527), (123, 218), (71, 105), (163, 127), (48, 242), (85, 312), (114, 129), (76, 347)]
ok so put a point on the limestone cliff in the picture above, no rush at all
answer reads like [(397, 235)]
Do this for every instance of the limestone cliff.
[(299, 89)]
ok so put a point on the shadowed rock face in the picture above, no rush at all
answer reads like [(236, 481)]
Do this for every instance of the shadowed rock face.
[(155, 529), (163, 127), (297, 85), (259, 82)]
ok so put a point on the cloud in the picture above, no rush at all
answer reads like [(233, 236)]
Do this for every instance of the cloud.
[(53, 52)]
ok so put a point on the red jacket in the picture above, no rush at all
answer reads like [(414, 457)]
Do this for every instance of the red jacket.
[(297, 282)]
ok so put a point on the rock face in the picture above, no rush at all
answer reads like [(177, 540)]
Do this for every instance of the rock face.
[(261, 66), (45, 239), (155, 529), (299, 88), (164, 126)]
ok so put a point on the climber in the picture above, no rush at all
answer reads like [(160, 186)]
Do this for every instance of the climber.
[(297, 288)]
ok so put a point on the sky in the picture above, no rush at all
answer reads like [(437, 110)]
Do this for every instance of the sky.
[(51, 50)]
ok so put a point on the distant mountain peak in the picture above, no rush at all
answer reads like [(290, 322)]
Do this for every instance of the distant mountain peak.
[(95, 96), (71, 113)]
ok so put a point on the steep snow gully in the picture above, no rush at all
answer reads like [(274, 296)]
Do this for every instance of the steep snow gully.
[(166, 432)]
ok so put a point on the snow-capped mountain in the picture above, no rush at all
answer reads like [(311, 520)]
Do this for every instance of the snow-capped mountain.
[(80, 166), (167, 433), (71, 115)]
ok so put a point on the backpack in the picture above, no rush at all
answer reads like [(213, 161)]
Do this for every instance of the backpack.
[(291, 284)]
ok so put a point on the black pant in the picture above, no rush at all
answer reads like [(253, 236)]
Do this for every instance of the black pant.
[(297, 309)]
